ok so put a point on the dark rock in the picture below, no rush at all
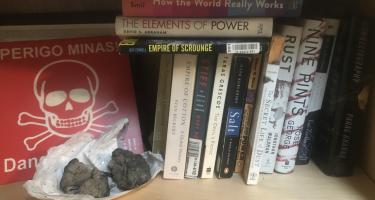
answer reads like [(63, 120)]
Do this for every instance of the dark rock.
[(128, 170), (75, 174), (79, 178), (97, 186)]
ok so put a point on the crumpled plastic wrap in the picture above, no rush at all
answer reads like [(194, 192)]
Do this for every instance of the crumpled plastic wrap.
[(89, 150)]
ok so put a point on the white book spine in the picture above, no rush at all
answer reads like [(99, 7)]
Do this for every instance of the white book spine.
[(193, 27), (183, 79), (222, 73), (288, 61), (303, 79), (259, 124)]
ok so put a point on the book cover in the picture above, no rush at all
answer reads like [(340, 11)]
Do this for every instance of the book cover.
[(223, 68), (162, 104), (252, 86), (54, 89), (262, 112), (209, 8), (345, 101), (193, 27), (299, 96), (232, 116), (183, 79), (317, 92), (192, 45), (204, 80), (293, 35)]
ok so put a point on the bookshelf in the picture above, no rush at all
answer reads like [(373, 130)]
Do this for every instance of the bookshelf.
[(306, 182)]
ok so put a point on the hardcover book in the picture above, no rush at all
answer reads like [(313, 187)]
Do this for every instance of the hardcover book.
[(183, 79), (59, 88), (192, 45), (199, 114), (210, 8), (262, 112), (317, 92), (299, 96), (255, 71), (223, 68), (232, 116), (162, 104), (193, 27), (345, 100), (275, 124)]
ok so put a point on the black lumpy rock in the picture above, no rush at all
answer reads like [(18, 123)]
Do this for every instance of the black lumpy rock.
[(128, 170), (79, 178), (75, 174), (97, 186)]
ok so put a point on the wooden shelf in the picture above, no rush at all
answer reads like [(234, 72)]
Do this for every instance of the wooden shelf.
[(307, 182)]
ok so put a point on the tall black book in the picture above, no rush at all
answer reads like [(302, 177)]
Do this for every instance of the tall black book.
[(343, 107), (204, 81), (232, 117)]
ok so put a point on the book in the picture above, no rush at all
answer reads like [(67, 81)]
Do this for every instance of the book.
[(59, 88), (232, 115), (199, 114), (252, 86), (192, 45), (300, 92), (162, 104), (183, 79), (293, 35), (193, 27), (223, 68), (262, 112), (317, 92), (345, 100), (209, 8)]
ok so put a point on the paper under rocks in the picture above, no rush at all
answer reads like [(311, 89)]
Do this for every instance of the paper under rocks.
[(88, 150)]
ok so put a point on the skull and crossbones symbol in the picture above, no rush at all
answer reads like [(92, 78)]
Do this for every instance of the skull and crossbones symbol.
[(66, 93)]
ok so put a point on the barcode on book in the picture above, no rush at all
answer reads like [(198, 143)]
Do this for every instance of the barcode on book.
[(244, 48), (193, 157)]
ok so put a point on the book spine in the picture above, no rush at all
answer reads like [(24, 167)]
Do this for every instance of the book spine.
[(262, 113), (248, 112), (209, 8), (343, 111), (184, 68), (317, 92), (293, 35), (162, 104), (223, 68), (303, 79), (199, 114), (233, 111), (193, 27), (161, 46)]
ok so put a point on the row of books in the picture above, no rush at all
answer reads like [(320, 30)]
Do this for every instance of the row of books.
[(242, 103)]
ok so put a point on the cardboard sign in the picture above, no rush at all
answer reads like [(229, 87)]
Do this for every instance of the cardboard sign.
[(54, 89)]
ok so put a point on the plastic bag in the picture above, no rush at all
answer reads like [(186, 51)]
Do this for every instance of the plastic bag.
[(89, 150)]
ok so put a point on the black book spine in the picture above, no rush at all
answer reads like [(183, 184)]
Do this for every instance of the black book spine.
[(199, 115), (342, 113), (192, 46), (232, 117), (309, 127)]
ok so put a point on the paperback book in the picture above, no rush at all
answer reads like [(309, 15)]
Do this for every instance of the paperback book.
[(262, 112), (299, 96), (275, 123), (183, 79), (193, 27), (212, 8), (232, 117)]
